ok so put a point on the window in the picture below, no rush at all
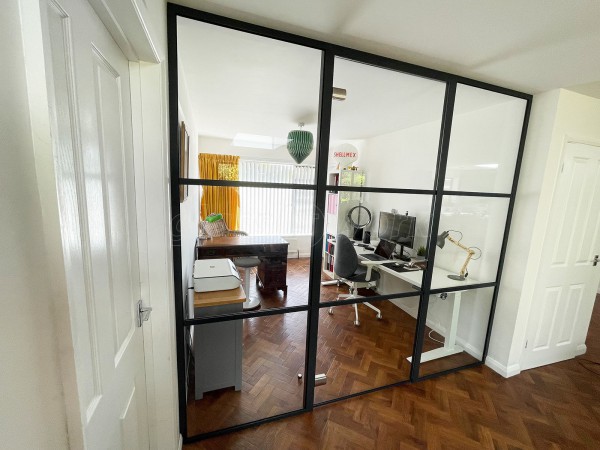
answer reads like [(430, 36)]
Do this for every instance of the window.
[(292, 207)]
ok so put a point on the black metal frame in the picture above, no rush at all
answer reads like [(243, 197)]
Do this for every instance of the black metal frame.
[(329, 53)]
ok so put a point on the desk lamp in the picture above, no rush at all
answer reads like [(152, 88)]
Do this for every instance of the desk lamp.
[(441, 240)]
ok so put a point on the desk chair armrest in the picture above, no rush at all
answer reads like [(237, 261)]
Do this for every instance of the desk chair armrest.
[(370, 265)]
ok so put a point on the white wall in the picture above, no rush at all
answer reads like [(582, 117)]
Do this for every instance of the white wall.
[(556, 116), (406, 158), (190, 208), (32, 411), (402, 159)]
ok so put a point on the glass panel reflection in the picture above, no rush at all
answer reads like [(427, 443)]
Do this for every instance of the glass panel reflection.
[(471, 231), (484, 142), (245, 370), (388, 233), (373, 354), (244, 96), (456, 327), (388, 125), (275, 230)]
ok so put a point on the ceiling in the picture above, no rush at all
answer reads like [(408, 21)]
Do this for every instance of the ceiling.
[(532, 46)]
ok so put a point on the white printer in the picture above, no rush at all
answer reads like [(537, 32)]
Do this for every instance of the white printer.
[(215, 275)]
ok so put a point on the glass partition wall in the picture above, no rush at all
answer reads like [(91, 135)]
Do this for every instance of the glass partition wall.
[(339, 219)]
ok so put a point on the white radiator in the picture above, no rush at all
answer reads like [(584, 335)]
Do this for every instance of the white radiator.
[(293, 249)]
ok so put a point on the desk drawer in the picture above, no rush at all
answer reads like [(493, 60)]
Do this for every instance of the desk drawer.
[(203, 253)]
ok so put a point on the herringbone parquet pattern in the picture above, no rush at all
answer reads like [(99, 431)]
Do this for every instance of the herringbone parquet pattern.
[(556, 406)]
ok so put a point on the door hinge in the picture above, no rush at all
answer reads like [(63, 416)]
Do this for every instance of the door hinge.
[(526, 342), (596, 260), (143, 313)]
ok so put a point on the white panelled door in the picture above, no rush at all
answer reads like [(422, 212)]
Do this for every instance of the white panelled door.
[(88, 84), (567, 279)]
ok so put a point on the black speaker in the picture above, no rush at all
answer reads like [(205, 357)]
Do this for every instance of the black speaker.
[(358, 234), (367, 237)]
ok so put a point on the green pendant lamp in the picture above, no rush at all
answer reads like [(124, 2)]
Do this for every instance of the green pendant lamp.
[(299, 144)]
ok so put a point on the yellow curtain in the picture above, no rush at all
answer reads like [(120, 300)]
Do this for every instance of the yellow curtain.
[(220, 199)]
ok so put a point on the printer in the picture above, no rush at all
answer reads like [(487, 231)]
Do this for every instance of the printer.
[(215, 275)]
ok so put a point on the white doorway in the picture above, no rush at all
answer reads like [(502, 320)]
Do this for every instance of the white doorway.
[(568, 278), (90, 105)]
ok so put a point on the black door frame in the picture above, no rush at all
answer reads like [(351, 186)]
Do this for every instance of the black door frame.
[(329, 53)]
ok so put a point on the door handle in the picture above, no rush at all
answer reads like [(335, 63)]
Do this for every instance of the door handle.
[(143, 313), (596, 260)]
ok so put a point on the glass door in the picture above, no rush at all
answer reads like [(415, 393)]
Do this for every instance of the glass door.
[(339, 219), (247, 118), (382, 165)]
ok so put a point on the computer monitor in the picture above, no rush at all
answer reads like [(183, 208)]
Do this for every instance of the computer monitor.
[(398, 228)]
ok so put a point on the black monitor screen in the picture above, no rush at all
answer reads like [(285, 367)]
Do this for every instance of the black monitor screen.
[(398, 228)]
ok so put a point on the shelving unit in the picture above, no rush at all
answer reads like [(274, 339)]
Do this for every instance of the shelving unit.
[(337, 206)]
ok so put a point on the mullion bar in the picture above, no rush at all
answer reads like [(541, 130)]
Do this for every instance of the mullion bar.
[(447, 116), (252, 184), (476, 194), (416, 191), (242, 426), (378, 190), (375, 298), (356, 394), (470, 287), (244, 315), (449, 371), (316, 259)]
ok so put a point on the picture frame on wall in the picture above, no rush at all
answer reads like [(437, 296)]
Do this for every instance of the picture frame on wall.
[(184, 156)]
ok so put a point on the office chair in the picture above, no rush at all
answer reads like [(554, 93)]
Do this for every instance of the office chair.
[(346, 266), (214, 226)]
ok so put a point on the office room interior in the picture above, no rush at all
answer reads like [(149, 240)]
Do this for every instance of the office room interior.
[(405, 149)]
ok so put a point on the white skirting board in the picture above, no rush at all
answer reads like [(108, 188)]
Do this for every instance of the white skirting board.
[(506, 372)]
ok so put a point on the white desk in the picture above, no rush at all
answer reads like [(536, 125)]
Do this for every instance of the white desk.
[(439, 280)]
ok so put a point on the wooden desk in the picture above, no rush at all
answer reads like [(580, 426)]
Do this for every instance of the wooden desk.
[(218, 346), (271, 250), (219, 298)]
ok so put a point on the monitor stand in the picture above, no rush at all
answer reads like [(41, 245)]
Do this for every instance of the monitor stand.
[(402, 257)]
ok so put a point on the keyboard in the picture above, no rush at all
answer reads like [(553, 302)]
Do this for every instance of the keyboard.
[(400, 267)]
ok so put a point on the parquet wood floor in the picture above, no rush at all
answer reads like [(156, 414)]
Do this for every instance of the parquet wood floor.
[(556, 406)]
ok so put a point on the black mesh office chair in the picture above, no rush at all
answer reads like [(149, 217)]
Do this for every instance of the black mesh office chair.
[(347, 267)]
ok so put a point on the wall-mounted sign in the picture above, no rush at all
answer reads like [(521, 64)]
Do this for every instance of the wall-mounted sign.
[(345, 154)]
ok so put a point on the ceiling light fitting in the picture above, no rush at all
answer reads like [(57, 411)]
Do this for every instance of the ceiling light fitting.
[(339, 94), (299, 144)]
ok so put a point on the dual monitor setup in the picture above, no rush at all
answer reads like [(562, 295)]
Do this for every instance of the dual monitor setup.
[(398, 229)]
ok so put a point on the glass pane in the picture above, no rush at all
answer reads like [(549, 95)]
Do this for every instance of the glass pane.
[(267, 235), (373, 354), (471, 231), (388, 233), (486, 130), (245, 370), (456, 327), (241, 95), (388, 125)]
